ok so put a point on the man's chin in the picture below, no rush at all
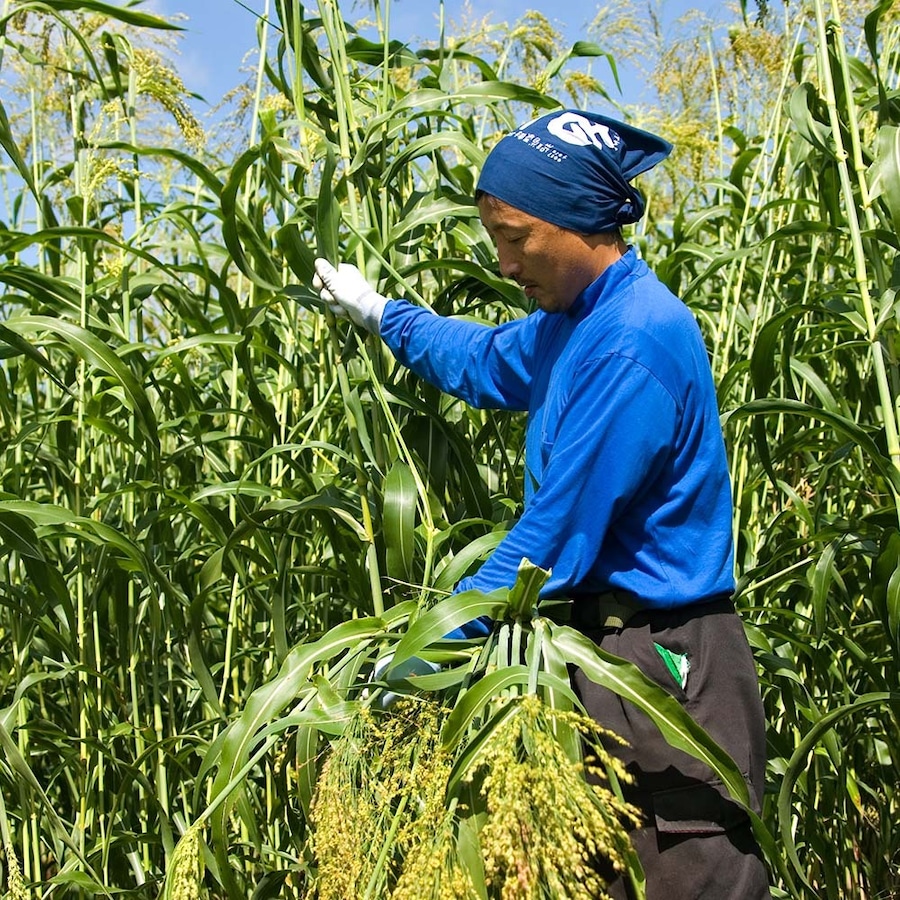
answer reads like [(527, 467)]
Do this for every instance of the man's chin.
[(550, 304)]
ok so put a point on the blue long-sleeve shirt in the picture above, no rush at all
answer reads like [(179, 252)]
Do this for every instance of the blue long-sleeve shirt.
[(626, 482)]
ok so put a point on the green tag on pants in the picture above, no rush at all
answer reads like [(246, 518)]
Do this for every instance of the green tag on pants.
[(677, 663)]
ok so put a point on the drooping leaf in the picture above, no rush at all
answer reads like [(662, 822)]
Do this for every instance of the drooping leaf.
[(17, 535), (94, 352), (108, 10), (626, 680)]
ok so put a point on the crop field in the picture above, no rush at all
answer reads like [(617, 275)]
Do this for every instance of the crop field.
[(219, 505)]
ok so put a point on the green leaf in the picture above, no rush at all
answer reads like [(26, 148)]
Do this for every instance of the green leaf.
[(798, 764), (94, 352), (26, 349), (265, 704), (8, 143), (107, 10), (197, 341), (891, 613), (240, 234), (803, 99), (98, 533), (83, 882), (297, 253), (555, 667), (468, 843), (676, 726), (374, 54), (629, 682), (524, 594), (469, 757), (191, 163), (447, 616), (399, 521), (884, 174), (328, 212), (476, 550), (489, 689), (582, 49), (17, 535), (843, 425), (17, 763), (476, 701), (824, 575), (267, 701), (440, 142), (473, 702), (872, 30), (438, 211), (306, 760)]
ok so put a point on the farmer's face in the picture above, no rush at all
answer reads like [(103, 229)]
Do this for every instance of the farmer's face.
[(552, 264)]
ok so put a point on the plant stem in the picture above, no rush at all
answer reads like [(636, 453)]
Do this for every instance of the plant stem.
[(832, 36)]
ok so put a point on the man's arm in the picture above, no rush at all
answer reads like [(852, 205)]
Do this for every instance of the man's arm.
[(613, 440), (489, 367)]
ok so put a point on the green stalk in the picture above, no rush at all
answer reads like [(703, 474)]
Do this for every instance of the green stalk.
[(362, 480), (337, 38), (251, 182), (336, 35), (827, 37), (717, 99), (135, 642), (35, 174), (535, 647), (724, 338), (81, 176), (387, 845)]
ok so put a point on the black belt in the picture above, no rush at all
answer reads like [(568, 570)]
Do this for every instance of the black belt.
[(589, 612), (612, 609)]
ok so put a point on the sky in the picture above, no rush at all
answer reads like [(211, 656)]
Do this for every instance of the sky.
[(219, 33)]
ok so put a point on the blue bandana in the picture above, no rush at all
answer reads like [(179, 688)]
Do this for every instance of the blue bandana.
[(572, 168)]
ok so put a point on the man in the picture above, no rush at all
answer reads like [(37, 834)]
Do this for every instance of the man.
[(627, 495)]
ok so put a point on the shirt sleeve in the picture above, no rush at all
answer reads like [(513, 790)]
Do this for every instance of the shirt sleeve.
[(489, 367), (614, 437)]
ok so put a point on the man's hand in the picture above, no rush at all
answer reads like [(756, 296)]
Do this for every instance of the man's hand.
[(347, 293), (408, 669)]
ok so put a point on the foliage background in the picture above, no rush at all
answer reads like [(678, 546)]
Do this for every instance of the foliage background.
[(198, 471)]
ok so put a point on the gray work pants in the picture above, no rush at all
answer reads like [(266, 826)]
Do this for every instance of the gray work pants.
[(694, 843)]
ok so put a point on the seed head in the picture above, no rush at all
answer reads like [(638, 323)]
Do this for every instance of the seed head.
[(186, 869), (15, 881)]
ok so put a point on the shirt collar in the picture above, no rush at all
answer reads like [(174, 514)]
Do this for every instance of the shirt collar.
[(606, 282)]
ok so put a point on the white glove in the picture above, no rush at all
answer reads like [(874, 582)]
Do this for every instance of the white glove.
[(347, 293)]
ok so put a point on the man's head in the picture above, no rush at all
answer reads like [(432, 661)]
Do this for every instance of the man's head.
[(552, 264), (562, 181)]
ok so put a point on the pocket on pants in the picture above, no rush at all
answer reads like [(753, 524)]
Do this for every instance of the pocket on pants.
[(700, 808)]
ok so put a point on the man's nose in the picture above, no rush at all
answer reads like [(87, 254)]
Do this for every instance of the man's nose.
[(509, 264)]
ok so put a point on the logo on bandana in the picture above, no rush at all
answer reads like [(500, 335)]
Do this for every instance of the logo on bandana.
[(581, 131)]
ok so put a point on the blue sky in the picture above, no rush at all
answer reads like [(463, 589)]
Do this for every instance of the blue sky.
[(220, 32)]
